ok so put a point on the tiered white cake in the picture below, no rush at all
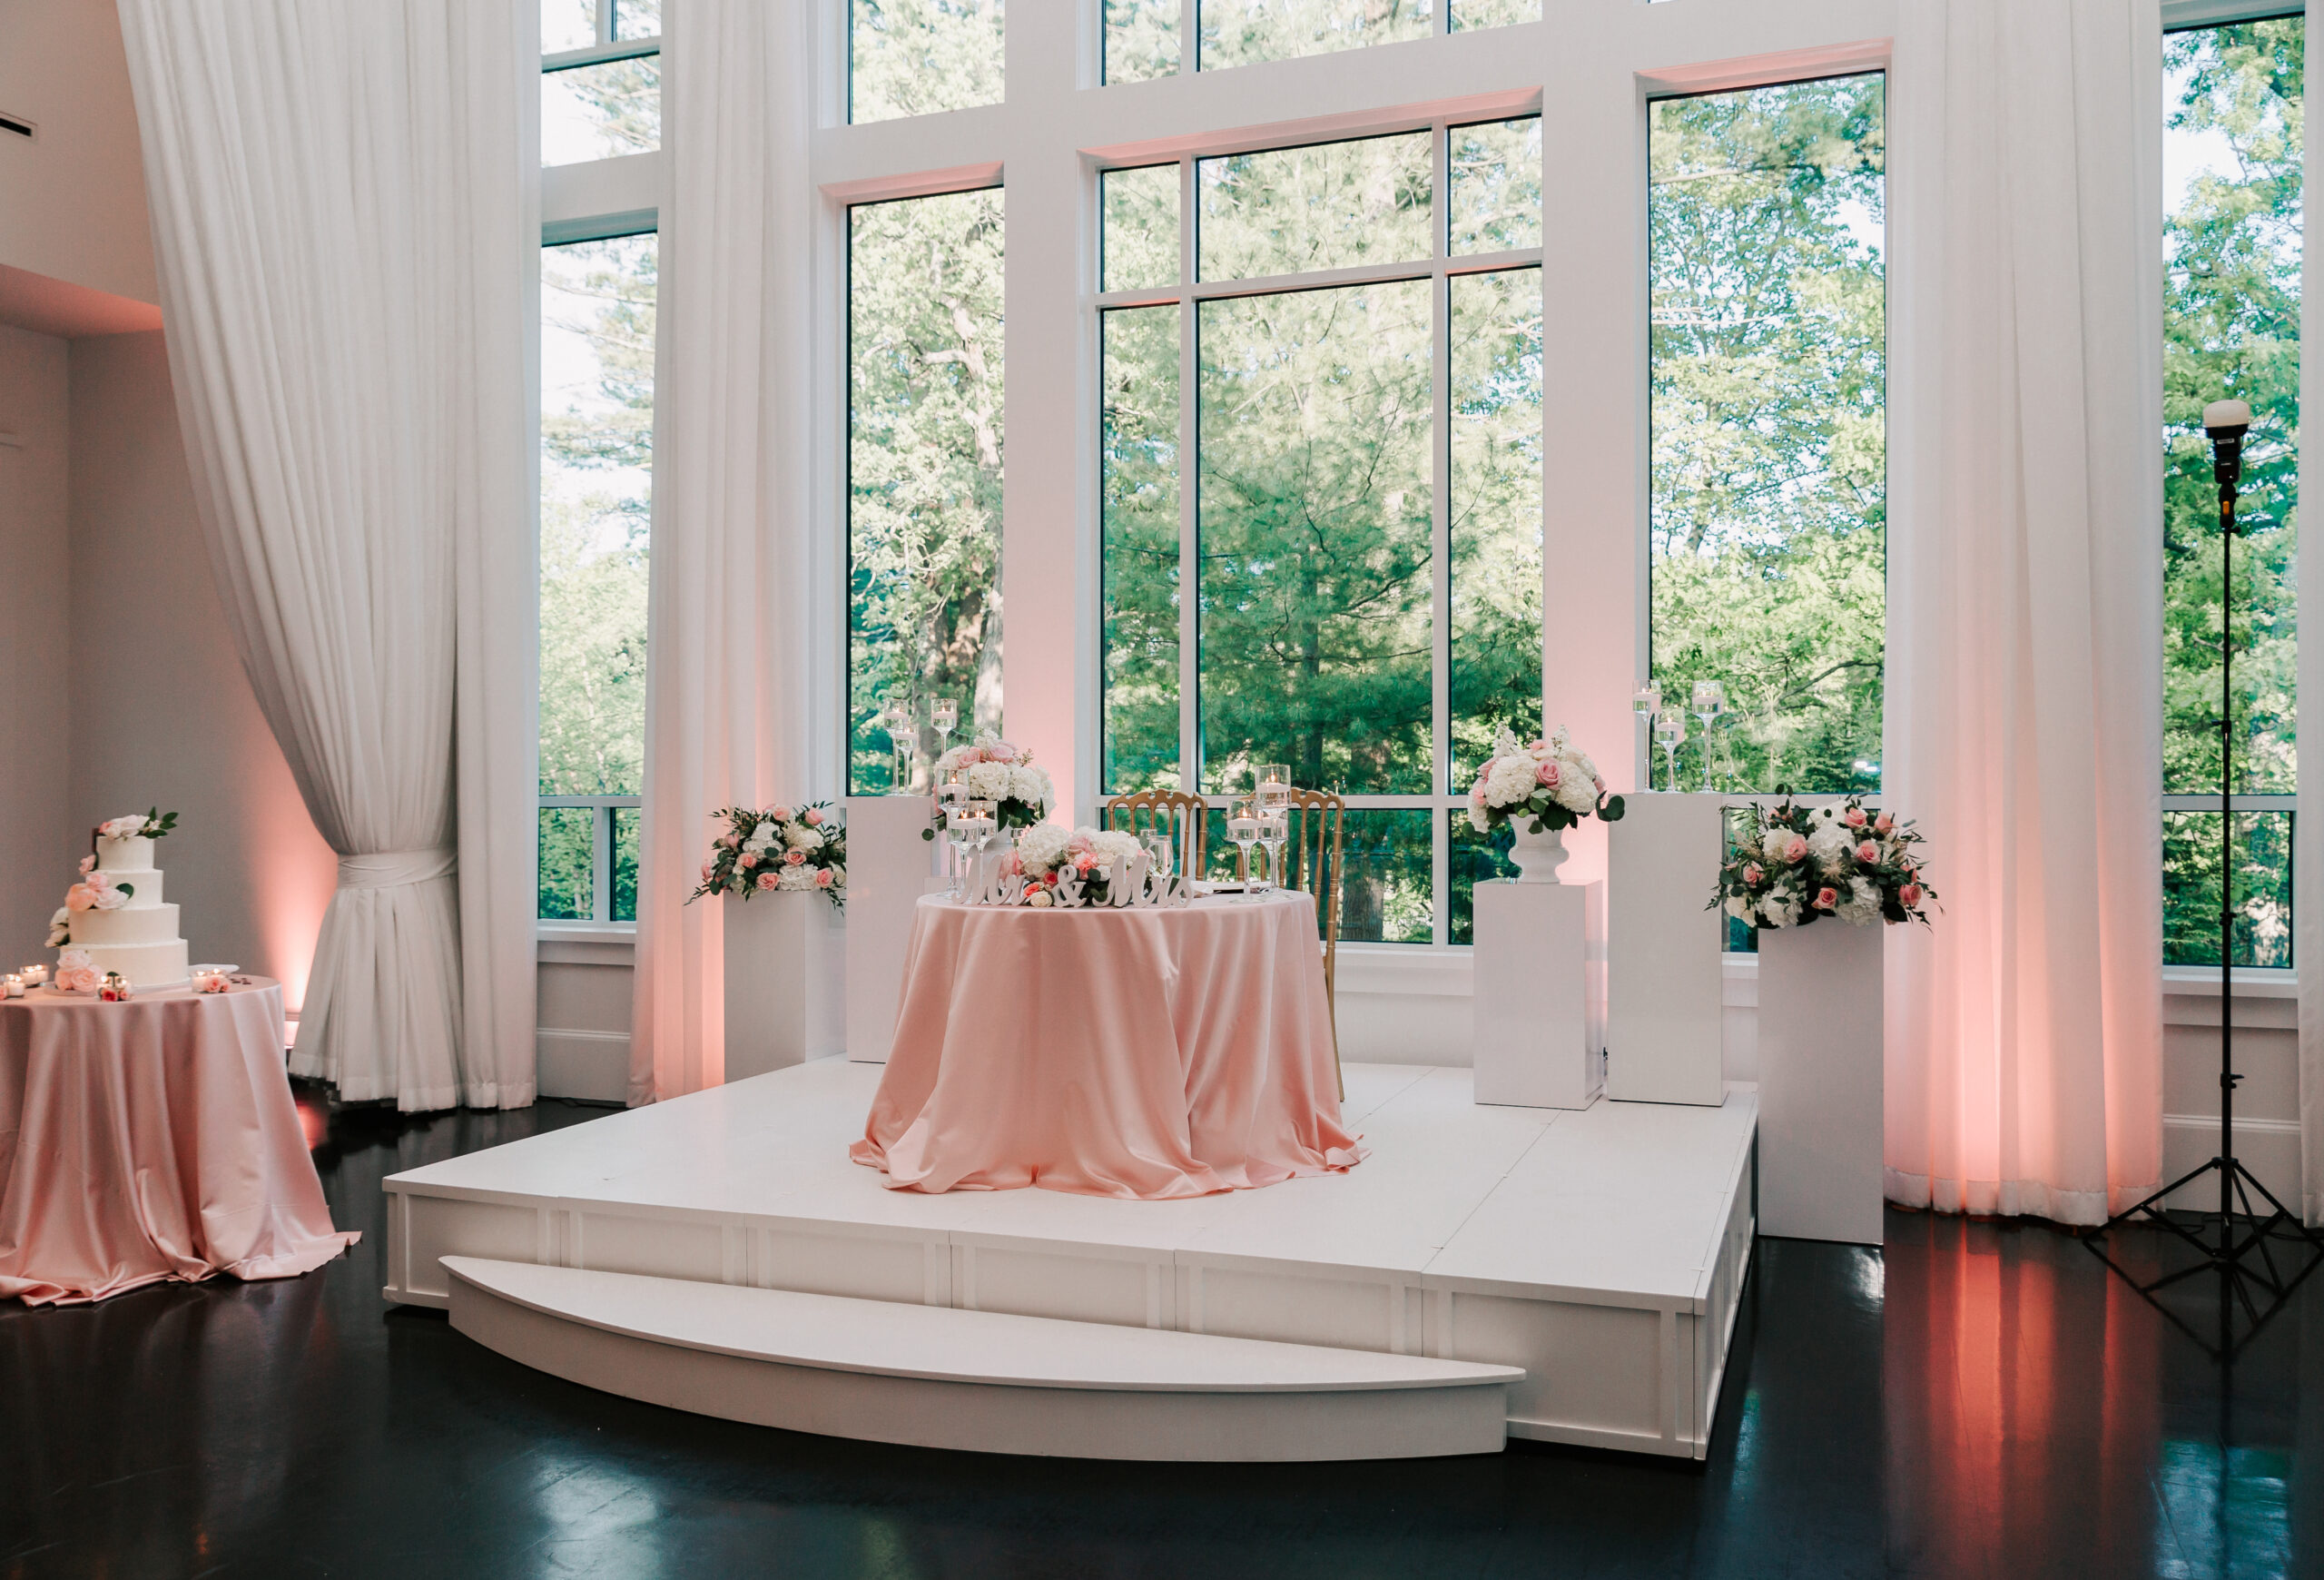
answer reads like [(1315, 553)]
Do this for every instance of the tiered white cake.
[(139, 939)]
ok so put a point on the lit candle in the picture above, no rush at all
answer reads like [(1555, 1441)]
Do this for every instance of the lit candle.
[(115, 989), (34, 975), (13, 986)]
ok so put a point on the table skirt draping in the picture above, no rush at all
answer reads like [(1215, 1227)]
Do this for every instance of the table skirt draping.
[(151, 1139), (1141, 1052)]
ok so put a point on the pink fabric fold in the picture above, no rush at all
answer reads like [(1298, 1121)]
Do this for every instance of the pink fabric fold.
[(1145, 1054), (151, 1139)]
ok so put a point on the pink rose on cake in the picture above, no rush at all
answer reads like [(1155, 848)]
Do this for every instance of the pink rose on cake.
[(74, 975), (80, 897)]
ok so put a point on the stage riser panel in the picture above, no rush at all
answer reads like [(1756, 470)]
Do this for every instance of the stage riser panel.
[(1640, 1378), (1069, 1423)]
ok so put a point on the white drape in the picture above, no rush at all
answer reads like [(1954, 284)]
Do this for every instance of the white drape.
[(2024, 707), (342, 230), (729, 607)]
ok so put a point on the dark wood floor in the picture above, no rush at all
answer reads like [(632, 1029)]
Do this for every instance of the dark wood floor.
[(1977, 1400)]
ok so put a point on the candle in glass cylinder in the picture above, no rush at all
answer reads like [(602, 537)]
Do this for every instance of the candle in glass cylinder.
[(12, 985), (34, 975)]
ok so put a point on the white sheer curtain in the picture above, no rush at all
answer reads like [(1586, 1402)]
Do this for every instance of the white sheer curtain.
[(2024, 707), (729, 609), (343, 232)]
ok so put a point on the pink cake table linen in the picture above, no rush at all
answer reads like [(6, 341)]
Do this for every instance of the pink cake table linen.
[(151, 1139), (1142, 1053)]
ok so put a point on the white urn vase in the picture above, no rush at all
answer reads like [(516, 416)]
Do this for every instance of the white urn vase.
[(1538, 855)]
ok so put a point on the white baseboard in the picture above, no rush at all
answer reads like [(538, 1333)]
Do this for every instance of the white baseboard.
[(586, 1066)]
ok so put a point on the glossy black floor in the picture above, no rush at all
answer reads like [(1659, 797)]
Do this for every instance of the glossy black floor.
[(1978, 1401)]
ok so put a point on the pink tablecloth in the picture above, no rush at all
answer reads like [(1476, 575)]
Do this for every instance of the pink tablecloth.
[(1141, 1052), (151, 1139)]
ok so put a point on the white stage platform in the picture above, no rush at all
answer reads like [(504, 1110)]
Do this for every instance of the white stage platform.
[(1601, 1252)]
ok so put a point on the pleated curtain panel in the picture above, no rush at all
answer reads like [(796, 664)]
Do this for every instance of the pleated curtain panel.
[(345, 221), (2025, 605), (731, 619)]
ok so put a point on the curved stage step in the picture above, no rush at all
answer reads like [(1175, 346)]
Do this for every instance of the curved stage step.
[(940, 1378)]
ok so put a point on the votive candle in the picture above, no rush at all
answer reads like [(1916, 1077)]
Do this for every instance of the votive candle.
[(34, 975), (15, 986)]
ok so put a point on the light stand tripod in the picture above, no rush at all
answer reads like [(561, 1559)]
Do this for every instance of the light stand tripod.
[(2240, 1251)]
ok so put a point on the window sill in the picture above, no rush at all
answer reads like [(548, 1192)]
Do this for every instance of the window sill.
[(585, 943)]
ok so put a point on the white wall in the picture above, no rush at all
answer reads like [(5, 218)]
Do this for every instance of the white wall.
[(72, 200), (161, 711), (36, 828)]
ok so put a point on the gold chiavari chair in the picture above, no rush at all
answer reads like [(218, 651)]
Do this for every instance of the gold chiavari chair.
[(1182, 816), (1317, 846)]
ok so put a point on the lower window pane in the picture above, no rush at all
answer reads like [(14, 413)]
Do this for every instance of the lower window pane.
[(1476, 858), (1496, 515), (2191, 869), (565, 881), (1385, 867), (1139, 473), (626, 824)]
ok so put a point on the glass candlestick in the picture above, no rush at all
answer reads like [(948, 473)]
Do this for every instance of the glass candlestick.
[(1645, 703), (1243, 828), (1670, 734), (945, 715), (1710, 704)]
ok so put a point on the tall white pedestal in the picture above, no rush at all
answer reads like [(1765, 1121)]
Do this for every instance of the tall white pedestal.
[(1541, 993), (1820, 1082), (889, 868), (1663, 949), (786, 972)]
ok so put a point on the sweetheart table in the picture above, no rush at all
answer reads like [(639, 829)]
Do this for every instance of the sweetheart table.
[(151, 1139), (1147, 1052)]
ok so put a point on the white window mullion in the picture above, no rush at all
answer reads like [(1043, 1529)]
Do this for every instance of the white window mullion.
[(1440, 552), (1190, 539)]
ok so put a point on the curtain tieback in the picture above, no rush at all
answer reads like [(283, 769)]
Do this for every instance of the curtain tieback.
[(397, 869)]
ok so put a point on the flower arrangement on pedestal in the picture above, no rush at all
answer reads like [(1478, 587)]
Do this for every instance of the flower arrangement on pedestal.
[(777, 850), (1793, 866), (1549, 782), (1083, 861), (1004, 774)]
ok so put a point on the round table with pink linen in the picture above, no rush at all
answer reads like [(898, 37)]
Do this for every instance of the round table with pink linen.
[(149, 1140), (1146, 1052)]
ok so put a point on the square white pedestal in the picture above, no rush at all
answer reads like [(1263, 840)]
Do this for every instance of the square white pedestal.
[(1541, 993), (1662, 951), (786, 971), (889, 868), (1820, 1082)]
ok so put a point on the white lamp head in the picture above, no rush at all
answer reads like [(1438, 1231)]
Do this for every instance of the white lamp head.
[(2226, 417)]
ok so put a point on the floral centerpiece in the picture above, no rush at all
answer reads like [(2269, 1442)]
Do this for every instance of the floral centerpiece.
[(1046, 853), (1793, 866), (1005, 776), (774, 850), (153, 824), (1545, 788)]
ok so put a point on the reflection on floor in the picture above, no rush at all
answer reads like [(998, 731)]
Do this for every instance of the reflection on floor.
[(1982, 1400)]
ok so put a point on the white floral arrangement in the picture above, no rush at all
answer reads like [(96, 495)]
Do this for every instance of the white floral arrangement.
[(1791, 865), (1083, 861), (777, 850), (1550, 781), (153, 824), (1004, 774)]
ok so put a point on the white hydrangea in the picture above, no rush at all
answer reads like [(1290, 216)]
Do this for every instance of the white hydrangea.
[(1831, 843), (1041, 845), (1860, 906), (1111, 847), (989, 781), (1031, 785), (1577, 789), (1780, 909), (803, 836), (1510, 781), (1772, 848), (800, 877)]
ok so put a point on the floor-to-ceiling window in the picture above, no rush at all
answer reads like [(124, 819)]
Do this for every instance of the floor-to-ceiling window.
[(1320, 481), (2232, 260), (600, 100)]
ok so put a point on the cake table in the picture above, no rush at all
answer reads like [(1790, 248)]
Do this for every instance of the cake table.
[(150, 1139), (1148, 1053)]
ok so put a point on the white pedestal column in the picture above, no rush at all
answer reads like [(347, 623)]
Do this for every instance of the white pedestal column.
[(1662, 951), (1541, 993), (786, 972), (1820, 1082), (889, 868)]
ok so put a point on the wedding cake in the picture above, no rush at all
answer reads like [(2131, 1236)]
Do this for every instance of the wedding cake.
[(115, 915)]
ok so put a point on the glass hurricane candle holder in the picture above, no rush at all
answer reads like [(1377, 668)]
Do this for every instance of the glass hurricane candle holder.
[(115, 989), (35, 975), (1243, 828), (1274, 830), (12, 986), (1709, 702), (1273, 785), (1670, 734), (945, 715)]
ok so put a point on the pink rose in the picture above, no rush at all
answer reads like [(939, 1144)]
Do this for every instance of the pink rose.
[(797, 858), (1869, 853), (1477, 798), (78, 979), (1016, 865), (1909, 896), (1547, 773), (80, 897), (88, 862), (1752, 873), (1883, 823), (1084, 861), (1538, 746), (729, 840), (1049, 880), (1598, 783), (99, 881), (747, 860), (812, 817), (1827, 897), (824, 879), (1797, 851), (779, 814), (766, 880), (1854, 817), (705, 872)]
